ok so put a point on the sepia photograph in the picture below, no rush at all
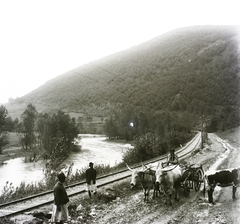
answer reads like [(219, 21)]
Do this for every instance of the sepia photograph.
[(119, 112)]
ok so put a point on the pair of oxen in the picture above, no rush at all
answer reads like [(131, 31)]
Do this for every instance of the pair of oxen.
[(162, 180), (168, 180)]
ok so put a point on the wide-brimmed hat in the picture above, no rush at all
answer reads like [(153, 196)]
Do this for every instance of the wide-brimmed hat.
[(90, 163)]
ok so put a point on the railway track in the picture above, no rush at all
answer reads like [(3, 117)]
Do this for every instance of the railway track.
[(46, 198)]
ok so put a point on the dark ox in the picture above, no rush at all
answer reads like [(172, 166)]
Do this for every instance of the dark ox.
[(169, 178), (222, 178), (146, 177)]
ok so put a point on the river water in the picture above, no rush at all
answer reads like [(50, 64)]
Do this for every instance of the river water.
[(95, 148)]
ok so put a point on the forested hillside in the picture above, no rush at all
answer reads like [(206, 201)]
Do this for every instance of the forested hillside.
[(191, 72)]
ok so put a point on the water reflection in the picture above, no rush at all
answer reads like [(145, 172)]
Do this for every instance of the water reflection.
[(95, 148)]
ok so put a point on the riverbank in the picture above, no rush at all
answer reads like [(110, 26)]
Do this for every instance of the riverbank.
[(12, 150), (105, 155), (10, 153)]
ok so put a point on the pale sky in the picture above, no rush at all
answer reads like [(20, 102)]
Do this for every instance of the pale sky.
[(41, 39)]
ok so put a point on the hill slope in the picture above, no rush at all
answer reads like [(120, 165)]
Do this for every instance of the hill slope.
[(193, 69)]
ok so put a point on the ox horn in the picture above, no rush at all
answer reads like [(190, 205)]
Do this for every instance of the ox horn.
[(128, 167), (158, 165), (145, 168)]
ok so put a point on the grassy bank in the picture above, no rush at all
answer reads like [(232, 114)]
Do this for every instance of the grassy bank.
[(11, 192)]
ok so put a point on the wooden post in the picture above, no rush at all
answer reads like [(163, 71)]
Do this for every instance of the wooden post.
[(202, 132)]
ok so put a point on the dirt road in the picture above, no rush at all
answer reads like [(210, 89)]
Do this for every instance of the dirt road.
[(194, 209)]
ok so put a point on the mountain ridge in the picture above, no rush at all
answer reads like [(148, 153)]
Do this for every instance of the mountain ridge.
[(193, 69)]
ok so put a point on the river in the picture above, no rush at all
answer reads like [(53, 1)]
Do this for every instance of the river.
[(95, 148)]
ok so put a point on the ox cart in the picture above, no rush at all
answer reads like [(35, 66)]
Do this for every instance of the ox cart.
[(192, 178)]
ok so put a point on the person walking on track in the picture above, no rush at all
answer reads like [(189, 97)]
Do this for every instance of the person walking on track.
[(91, 175)]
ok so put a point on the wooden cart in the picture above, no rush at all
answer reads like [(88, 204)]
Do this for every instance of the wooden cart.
[(192, 178)]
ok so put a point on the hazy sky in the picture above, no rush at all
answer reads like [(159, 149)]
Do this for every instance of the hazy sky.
[(40, 39)]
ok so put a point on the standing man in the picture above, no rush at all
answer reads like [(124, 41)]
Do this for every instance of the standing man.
[(91, 174), (172, 158), (60, 209)]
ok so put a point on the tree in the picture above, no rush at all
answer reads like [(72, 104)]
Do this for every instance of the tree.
[(3, 133), (145, 147), (42, 137), (110, 128), (11, 125), (28, 138), (142, 123), (56, 134)]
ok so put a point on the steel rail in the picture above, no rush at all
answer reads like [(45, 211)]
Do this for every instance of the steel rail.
[(12, 213), (107, 182), (100, 177)]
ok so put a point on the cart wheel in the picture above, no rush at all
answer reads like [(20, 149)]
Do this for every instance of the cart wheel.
[(186, 188), (198, 179)]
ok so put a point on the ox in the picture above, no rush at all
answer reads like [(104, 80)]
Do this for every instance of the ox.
[(222, 178), (146, 177), (169, 178)]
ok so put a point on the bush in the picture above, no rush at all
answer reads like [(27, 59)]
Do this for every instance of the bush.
[(151, 145), (145, 147)]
